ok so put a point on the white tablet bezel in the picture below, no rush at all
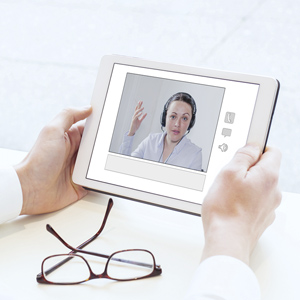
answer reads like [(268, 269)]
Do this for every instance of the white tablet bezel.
[(258, 130)]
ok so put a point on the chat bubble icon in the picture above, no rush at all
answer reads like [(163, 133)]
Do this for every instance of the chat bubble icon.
[(226, 132)]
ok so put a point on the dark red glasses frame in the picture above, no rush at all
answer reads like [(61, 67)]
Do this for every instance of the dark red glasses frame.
[(41, 278)]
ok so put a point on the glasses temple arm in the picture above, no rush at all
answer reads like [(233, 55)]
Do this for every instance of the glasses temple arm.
[(108, 209), (52, 231), (75, 250)]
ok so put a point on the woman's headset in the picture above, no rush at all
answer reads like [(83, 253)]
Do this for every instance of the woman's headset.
[(185, 97)]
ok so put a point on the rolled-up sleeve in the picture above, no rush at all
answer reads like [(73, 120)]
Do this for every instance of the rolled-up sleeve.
[(11, 199)]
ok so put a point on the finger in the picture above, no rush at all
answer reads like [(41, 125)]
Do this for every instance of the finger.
[(139, 105), (138, 114), (143, 117), (69, 116), (271, 159), (80, 126), (139, 110), (75, 134), (81, 192)]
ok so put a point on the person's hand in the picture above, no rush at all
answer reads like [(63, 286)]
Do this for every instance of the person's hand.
[(137, 118), (241, 203), (45, 173)]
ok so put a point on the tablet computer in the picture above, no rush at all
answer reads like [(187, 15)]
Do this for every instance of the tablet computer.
[(160, 133)]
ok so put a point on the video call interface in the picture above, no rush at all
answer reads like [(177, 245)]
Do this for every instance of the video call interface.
[(193, 138), (138, 160)]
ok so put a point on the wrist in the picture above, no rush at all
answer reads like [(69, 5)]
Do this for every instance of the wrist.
[(130, 133), (227, 238)]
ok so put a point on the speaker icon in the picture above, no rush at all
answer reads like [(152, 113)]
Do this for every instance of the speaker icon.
[(223, 147)]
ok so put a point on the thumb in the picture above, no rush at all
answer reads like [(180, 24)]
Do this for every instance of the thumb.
[(246, 157), (69, 116)]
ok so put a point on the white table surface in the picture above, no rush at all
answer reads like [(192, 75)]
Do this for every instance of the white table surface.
[(176, 240)]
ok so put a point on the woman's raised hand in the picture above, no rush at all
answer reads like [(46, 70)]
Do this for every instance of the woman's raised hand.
[(137, 118)]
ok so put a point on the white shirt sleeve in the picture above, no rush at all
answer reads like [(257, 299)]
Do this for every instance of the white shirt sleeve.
[(11, 198), (223, 278), (126, 145)]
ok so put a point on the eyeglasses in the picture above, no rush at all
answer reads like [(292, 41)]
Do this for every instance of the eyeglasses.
[(72, 268)]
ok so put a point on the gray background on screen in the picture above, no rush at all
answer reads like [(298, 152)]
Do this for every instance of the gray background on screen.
[(154, 92)]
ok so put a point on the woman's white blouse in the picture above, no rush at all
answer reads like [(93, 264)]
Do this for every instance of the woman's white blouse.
[(185, 154)]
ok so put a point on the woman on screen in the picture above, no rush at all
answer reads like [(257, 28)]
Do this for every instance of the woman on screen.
[(171, 146)]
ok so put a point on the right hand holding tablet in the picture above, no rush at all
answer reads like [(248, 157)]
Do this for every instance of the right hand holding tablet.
[(241, 203)]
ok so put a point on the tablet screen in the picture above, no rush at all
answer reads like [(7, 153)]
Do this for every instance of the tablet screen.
[(207, 119)]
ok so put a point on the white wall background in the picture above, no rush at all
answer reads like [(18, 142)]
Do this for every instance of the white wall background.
[(50, 51)]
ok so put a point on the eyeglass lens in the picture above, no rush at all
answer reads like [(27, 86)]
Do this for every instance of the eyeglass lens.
[(75, 270), (130, 264)]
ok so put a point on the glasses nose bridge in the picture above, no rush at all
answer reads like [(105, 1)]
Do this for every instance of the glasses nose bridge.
[(100, 275)]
